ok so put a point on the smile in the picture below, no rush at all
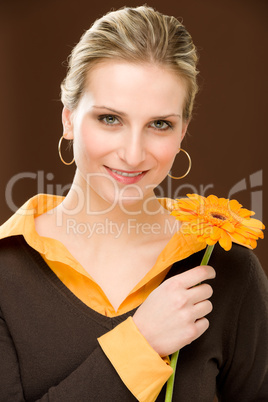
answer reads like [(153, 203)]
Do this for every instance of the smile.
[(126, 174), (124, 177)]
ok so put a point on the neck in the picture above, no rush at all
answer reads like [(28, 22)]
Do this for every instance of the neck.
[(84, 211)]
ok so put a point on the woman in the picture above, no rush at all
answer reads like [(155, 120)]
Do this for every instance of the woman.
[(99, 288)]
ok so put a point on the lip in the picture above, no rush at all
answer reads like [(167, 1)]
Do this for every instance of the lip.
[(137, 175)]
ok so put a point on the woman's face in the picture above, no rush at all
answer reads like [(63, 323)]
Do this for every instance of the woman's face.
[(127, 129)]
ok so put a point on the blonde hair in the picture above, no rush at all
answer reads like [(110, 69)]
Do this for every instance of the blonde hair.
[(135, 35)]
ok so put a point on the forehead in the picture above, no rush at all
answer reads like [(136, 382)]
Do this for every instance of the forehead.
[(129, 85)]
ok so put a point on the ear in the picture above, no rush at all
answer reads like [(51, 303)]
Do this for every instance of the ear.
[(183, 131), (67, 121)]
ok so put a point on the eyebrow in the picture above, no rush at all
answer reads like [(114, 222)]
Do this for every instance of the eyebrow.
[(124, 114)]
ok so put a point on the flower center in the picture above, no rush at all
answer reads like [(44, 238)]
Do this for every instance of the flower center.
[(218, 216)]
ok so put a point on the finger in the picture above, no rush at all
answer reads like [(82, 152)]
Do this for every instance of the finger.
[(199, 293), (202, 309), (201, 326), (194, 276)]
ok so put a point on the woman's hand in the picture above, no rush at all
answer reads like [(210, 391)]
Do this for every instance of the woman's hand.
[(173, 315)]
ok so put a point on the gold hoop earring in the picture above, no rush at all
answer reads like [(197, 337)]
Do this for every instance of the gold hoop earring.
[(188, 170), (59, 149)]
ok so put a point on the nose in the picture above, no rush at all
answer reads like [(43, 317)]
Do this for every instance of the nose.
[(133, 152)]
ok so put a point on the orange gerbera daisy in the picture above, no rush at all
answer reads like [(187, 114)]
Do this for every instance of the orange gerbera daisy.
[(215, 219)]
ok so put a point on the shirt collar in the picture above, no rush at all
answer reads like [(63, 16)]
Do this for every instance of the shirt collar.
[(22, 223)]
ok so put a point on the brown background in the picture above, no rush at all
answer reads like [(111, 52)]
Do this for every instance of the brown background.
[(227, 137)]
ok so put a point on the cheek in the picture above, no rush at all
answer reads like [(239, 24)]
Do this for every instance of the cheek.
[(88, 143), (166, 154)]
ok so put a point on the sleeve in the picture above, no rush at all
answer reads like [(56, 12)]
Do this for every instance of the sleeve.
[(95, 379), (245, 376), (142, 370), (10, 384)]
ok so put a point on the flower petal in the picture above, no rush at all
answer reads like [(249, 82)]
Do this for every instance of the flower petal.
[(216, 233), (228, 226), (248, 232), (212, 199), (239, 238), (225, 241), (234, 205), (253, 243), (252, 223), (210, 242)]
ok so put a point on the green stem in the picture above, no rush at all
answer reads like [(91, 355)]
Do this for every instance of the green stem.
[(170, 383), (174, 357), (207, 255)]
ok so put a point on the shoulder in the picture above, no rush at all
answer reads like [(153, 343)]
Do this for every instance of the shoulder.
[(231, 262), (11, 245), (239, 256), (237, 270), (21, 270), (11, 253), (16, 257), (240, 289), (240, 263)]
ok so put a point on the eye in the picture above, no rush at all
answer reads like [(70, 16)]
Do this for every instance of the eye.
[(161, 125), (109, 119)]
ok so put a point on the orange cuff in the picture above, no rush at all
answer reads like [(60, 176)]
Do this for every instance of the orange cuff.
[(141, 369)]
